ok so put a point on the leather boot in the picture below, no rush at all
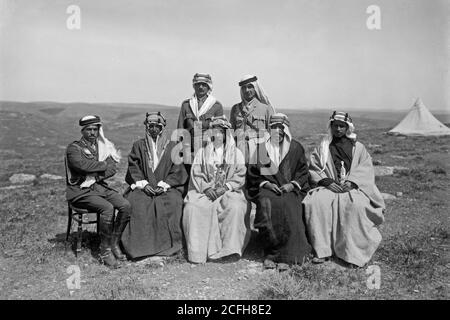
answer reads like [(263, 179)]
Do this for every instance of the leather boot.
[(106, 256), (119, 227)]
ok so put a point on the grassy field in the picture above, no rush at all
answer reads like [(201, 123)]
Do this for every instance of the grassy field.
[(413, 258)]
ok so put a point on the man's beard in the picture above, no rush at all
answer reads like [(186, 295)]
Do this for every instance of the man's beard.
[(91, 139)]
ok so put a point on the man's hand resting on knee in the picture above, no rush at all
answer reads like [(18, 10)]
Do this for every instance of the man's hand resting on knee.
[(273, 187)]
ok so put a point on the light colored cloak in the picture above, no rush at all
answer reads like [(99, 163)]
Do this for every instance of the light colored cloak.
[(344, 224), (215, 229)]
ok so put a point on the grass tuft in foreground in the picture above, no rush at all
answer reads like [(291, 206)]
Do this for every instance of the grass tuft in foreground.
[(409, 266)]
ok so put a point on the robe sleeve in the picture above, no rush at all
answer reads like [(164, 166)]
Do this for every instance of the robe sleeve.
[(254, 179), (363, 175), (233, 117), (315, 170), (198, 177), (301, 175), (185, 113), (135, 172), (269, 112), (180, 118), (325, 182), (77, 161), (237, 181), (177, 175), (111, 170)]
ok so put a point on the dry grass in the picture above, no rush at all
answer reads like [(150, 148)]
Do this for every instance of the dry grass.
[(129, 287), (412, 267)]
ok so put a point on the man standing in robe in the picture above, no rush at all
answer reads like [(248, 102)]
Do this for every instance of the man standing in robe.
[(343, 212), (90, 161), (155, 194), (215, 206), (278, 185), (250, 117)]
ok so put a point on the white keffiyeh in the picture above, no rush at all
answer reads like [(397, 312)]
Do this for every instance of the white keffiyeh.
[(105, 149), (193, 103), (278, 151)]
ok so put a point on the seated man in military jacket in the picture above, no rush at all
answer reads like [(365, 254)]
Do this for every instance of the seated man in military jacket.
[(90, 161)]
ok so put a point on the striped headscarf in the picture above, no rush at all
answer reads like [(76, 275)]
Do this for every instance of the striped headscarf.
[(155, 149), (156, 118), (344, 117), (324, 148), (203, 78), (280, 118), (89, 120), (220, 122)]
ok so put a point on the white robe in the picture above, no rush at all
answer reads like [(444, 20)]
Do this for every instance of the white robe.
[(215, 229), (345, 224)]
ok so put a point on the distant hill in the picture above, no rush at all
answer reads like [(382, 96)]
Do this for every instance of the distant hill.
[(82, 108), (37, 133), (79, 109), (131, 115)]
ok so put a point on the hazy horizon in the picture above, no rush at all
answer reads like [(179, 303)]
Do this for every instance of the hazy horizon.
[(308, 55), (137, 105)]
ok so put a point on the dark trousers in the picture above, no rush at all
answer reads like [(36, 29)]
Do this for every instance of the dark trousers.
[(104, 201)]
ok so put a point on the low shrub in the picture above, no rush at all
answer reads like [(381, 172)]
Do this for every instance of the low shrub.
[(439, 170)]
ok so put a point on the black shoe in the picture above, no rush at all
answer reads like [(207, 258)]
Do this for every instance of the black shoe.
[(282, 267), (231, 258), (316, 260), (269, 264)]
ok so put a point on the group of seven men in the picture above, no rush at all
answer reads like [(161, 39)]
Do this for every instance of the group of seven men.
[(328, 205)]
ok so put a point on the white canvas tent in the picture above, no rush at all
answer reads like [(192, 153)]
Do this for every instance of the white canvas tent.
[(420, 122)]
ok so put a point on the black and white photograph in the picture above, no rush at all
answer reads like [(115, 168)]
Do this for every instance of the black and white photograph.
[(207, 151)]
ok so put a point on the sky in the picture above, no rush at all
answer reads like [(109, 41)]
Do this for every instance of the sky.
[(306, 54)]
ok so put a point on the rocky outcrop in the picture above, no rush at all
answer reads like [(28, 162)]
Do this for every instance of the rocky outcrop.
[(388, 171), (388, 196), (47, 176), (22, 178)]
